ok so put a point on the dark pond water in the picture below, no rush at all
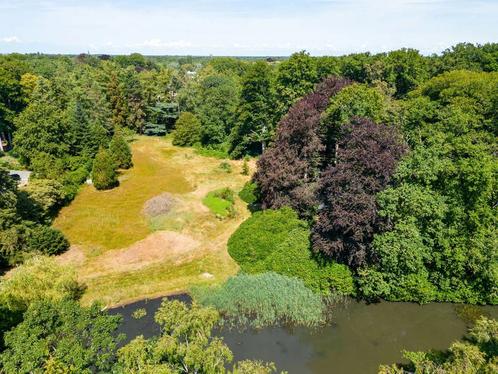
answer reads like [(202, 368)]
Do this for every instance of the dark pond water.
[(360, 338)]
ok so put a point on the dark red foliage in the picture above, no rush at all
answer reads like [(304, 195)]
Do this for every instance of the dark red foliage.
[(367, 156), (289, 169)]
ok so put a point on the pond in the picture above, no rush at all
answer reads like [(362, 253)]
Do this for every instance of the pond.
[(360, 338)]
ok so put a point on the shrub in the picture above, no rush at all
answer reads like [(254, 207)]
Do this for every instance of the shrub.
[(293, 258), (120, 151), (41, 199), (187, 130), (226, 167), (72, 181), (263, 300), (104, 174), (39, 278), (220, 202), (259, 235), (249, 193), (245, 166), (46, 240)]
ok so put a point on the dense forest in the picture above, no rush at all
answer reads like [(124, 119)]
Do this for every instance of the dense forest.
[(376, 179)]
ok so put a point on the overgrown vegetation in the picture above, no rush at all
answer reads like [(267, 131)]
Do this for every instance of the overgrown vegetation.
[(51, 332), (220, 202), (24, 216), (249, 193), (263, 300), (278, 241)]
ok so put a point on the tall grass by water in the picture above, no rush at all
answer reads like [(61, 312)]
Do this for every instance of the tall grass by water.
[(263, 300)]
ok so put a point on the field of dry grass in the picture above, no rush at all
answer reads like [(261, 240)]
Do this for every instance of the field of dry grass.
[(123, 255)]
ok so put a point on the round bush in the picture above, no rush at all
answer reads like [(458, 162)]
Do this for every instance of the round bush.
[(46, 240), (259, 235)]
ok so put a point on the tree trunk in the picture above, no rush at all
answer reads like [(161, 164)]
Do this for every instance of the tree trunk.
[(9, 139)]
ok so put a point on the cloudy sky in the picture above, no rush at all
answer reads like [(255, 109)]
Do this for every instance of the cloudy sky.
[(237, 27)]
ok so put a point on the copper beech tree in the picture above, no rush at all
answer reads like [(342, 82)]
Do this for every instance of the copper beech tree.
[(367, 155), (288, 171)]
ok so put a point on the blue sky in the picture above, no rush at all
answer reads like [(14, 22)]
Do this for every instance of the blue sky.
[(236, 27)]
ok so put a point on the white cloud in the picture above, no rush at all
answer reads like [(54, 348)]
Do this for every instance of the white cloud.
[(158, 43), (10, 39)]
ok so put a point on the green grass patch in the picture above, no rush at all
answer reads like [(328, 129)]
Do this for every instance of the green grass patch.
[(220, 202), (208, 152)]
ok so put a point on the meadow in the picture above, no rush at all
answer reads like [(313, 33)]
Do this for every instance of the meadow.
[(121, 254)]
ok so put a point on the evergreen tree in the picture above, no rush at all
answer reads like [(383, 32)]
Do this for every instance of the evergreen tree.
[(104, 174), (120, 152), (187, 130)]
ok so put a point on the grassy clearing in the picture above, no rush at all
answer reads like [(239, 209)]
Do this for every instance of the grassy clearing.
[(122, 255)]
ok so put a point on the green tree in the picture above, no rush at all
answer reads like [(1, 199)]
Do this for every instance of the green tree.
[(185, 345), (42, 128), (187, 131), (256, 120), (12, 98), (219, 97), (46, 240), (40, 199), (120, 151), (440, 236), (405, 69), (40, 278), (296, 77), (81, 340), (104, 175)]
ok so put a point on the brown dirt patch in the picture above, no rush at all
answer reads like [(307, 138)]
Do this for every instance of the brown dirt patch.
[(155, 248), (73, 256)]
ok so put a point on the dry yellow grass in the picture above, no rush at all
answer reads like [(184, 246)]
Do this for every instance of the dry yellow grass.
[(122, 256)]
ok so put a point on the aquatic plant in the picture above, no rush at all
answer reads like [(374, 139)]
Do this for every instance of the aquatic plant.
[(263, 300), (139, 313)]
